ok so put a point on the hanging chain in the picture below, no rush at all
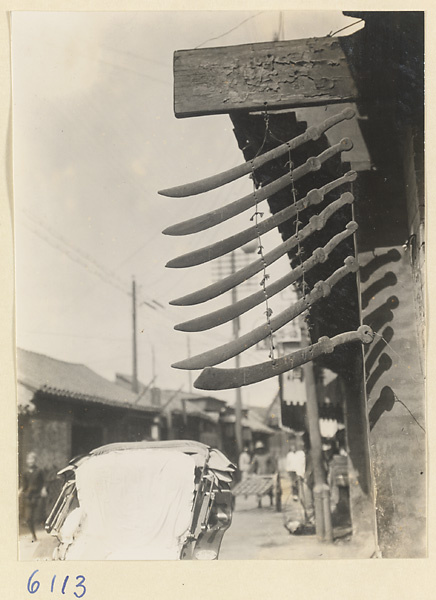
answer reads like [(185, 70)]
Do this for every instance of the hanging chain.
[(300, 251), (256, 216)]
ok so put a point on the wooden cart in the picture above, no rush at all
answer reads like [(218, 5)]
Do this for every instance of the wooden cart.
[(261, 485)]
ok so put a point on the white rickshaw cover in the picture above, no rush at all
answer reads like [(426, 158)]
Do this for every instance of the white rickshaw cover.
[(145, 495)]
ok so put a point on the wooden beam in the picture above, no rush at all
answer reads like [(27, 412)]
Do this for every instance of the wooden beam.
[(285, 74)]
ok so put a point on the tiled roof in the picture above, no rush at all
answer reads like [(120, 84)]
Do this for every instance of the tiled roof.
[(41, 373), (25, 397)]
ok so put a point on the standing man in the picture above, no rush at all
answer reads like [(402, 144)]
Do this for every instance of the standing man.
[(263, 464), (244, 463), (32, 489)]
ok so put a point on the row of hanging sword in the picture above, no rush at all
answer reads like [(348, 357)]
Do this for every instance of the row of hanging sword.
[(213, 378)]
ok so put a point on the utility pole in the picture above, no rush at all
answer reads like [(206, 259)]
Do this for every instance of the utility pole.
[(188, 342), (238, 404), (153, 365), (135, 387), (321, 490)]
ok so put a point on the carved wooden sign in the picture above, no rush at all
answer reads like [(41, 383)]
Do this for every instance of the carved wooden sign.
[(284, 74)]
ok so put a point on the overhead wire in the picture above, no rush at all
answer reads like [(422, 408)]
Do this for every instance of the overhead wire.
[(76, 259), (87, 261), (86, 257), (218, 37), (135, 71), (136, 55), (178, 210), (201, 337), (75, 335), (84, 260), (91, 265)]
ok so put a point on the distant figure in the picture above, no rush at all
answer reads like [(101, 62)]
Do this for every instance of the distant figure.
[(296, 467), (32, 489), (262, 464), (244, 463), (328, 452)]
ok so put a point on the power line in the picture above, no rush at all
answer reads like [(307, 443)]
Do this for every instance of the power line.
[(130, 70), (81, 258), (218, 37), (197, 202), (76, 259), (73, 335), (86, 257), (136, 55)]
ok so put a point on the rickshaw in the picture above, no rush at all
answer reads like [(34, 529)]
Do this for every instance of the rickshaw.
[(168, 500)]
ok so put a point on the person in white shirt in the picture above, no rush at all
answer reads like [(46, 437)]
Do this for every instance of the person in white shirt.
[(244, 463), (296, 467)]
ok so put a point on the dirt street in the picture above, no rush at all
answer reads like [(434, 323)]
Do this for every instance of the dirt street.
[(255, 533)]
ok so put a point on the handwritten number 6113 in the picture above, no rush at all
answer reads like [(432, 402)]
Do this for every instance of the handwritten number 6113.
[(33, 585)]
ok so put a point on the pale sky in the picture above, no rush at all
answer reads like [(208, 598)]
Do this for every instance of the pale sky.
[(95, 137)]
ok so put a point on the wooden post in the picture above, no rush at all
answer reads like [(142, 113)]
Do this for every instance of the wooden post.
[(153, 365), (188, 342), (238, 403), (171, 435), (135, 387)]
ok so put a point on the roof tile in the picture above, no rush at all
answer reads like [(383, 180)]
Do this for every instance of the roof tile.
[(72, 380)]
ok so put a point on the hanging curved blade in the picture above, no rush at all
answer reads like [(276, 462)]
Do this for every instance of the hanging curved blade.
[(316, 223), (208, 253), (219, 215), (224, 379), (215, 181), (218, 355), (223, 315)]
